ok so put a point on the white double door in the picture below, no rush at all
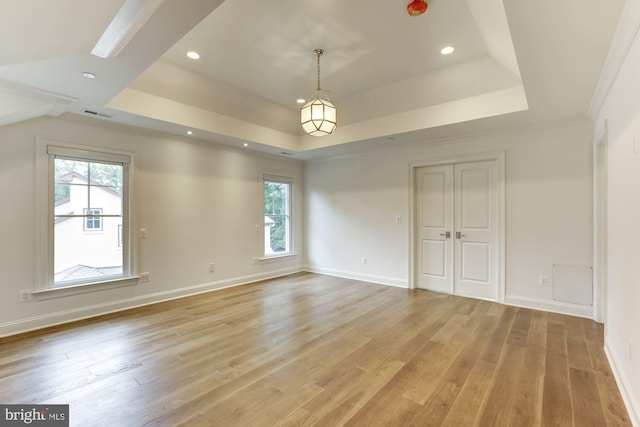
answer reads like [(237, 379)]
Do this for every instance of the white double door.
[(457, 222)]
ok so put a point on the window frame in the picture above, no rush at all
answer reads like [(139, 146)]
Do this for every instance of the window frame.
[(282, 179), (46, 152)]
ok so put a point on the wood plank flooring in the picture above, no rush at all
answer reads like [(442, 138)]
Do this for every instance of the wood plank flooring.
[(309, 349)]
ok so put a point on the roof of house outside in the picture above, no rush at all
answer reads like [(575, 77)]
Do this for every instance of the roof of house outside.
[(83, 271), (68, 177)]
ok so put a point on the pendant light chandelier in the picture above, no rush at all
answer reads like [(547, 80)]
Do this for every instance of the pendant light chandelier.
[(318, 116)]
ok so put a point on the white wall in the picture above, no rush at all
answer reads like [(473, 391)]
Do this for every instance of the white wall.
[(200, 204), (621, 110), (351, 205)]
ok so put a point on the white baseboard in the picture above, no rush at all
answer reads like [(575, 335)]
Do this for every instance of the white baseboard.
[(630, 400), (382, 280), (532, 303), (552, 306), (61, 317)]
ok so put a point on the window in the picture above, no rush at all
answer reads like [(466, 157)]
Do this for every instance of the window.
[(277, 215), (85, 192), (93, 220)]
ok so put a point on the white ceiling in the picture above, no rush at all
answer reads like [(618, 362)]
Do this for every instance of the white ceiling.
[(515, 63)]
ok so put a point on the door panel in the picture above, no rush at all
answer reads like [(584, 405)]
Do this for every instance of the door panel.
[(475, 260), (476, 221), (433, 191), (434, 258), (434, 205), (475, 205)]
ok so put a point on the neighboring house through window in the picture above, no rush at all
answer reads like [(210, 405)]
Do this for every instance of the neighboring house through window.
[(87, 191), (277, 215)]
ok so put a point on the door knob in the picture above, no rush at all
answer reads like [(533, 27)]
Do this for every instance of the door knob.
[(446, 235), (459, 235)]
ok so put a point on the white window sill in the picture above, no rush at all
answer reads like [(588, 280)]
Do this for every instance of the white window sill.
[(65, 291), (274, 258)]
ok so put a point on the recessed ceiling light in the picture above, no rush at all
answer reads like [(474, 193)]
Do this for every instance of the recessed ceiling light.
[(300, 101), (447, 50), (189, 132), (88, 75), (245, 144), (193, 54)]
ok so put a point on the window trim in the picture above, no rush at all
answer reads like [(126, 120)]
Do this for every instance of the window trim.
[(284, 179), (63, 291), (46, 150)]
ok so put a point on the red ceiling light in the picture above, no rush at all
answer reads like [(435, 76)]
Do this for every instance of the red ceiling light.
[(417, 7)]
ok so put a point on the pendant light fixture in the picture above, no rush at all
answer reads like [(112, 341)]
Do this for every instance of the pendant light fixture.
[(318, 116)]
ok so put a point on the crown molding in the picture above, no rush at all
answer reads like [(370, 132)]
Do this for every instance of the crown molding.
[(626, 33)]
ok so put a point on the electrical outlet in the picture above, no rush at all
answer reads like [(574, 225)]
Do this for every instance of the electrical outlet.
[(543, 281), (364, 261), (25, 296), (212, 267), (142, 233), (144, 277), (398, 219)]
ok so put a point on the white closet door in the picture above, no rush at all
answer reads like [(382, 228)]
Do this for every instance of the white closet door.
[(476, 230), (434, 196), (457, 223)]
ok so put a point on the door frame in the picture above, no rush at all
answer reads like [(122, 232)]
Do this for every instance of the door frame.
[(499, 157)]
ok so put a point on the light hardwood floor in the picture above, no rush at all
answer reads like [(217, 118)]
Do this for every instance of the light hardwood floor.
[(317, 350)]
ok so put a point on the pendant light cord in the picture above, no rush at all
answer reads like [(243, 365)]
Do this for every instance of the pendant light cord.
[(319, 53)]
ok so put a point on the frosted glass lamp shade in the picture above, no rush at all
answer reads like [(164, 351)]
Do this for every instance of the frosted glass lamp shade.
[(318, 117)]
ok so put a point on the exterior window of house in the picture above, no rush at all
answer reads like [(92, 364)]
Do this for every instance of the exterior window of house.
[(277, 215), (93, 220), (86, 191)]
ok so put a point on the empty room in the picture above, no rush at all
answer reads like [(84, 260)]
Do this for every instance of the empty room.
[(295, 212)]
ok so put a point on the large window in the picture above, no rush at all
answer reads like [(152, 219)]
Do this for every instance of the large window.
[(277, 215), (87, 216)]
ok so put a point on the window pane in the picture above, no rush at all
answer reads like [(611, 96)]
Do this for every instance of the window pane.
[(62, 193), (106, 199), (279, 202), (276, 198), (279, 234), (268, 198), (65, 169), (106, 175), (79, 255), (75, 201)]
